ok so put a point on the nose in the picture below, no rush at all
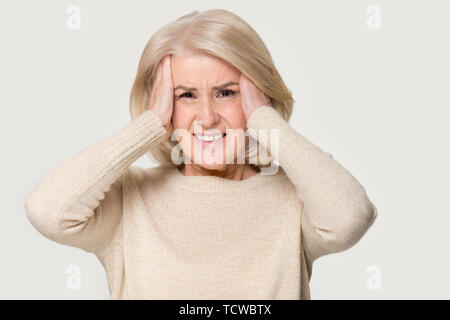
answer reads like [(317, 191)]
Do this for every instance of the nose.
[(208, 113)]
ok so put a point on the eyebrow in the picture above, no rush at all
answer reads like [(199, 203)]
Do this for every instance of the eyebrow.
[(222, 86)]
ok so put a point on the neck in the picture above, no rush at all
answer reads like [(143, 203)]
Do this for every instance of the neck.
[(231, 171)]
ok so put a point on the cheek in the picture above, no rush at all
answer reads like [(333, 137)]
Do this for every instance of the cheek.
[(233, 115), (180, 118)]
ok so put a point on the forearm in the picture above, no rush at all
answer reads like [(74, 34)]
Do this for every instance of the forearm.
[(335, 204), (63, 202)]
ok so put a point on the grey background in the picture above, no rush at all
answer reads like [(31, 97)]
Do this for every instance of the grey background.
[(378, 100)]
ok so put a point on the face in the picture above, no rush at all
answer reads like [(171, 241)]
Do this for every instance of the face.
[(207, 105)]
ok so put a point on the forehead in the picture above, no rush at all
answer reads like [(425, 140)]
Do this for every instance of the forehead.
[(202, 68)]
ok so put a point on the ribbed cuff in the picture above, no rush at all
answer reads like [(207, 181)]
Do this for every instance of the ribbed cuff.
[(264, 117), (133, 140)]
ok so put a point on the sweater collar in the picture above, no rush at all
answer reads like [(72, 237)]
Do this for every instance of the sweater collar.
[(217, 184)]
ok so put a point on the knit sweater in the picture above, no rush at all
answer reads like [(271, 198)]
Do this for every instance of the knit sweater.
[(162, 235)]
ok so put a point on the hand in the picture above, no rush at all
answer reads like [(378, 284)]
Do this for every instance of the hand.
[(161, 98), (251, 97)]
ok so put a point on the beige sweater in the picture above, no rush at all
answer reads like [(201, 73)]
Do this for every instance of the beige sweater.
[(162, 235)]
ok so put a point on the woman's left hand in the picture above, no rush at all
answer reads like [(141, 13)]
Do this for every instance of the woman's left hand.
[(251, 97)]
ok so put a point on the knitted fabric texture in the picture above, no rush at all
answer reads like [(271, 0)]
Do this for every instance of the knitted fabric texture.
[(162, 235)]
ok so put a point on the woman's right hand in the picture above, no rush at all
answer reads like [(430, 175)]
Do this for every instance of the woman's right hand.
[(161, 98)]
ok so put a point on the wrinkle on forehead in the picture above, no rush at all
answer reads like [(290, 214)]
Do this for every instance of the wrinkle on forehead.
[(202, 70)]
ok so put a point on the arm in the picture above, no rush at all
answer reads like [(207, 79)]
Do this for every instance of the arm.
[(336, 209), (80, 201)]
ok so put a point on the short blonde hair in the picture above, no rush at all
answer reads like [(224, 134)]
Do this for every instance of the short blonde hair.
[(224, 35)]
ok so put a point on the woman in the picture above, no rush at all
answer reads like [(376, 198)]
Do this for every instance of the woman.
[(200, 226)]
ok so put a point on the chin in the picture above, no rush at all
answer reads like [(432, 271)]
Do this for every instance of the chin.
[(209, 164), (217, 167), (212, 161)]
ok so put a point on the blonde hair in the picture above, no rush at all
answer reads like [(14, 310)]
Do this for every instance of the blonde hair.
[(224, 35)]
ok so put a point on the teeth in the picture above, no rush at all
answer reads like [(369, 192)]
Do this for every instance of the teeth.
[(209, 138)]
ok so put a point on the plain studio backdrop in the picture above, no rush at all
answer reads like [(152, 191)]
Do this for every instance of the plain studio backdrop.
[(371, 84)]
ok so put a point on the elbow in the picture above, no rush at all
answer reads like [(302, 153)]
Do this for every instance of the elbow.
[(358, 222), (36, 216), (350, 229), (41, 218)]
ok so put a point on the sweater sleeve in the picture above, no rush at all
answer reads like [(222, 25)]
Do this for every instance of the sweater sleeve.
[(79, 203), (336, 209)]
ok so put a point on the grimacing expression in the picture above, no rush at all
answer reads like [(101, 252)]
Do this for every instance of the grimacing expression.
[(207, 102)]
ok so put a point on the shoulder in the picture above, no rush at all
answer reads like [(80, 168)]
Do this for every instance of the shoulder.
[(281, 184), (153, 175)]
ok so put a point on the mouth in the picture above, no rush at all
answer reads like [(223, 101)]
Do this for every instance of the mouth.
[(208, 139)]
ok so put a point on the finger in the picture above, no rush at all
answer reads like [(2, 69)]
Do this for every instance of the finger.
[(167, 76), (241, 78), (246, 83), (156, 82), (156, 79), (158, 71), (166, 70), (170, 71)]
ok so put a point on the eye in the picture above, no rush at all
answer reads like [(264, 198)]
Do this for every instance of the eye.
[(229, 93), (185, 95)]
